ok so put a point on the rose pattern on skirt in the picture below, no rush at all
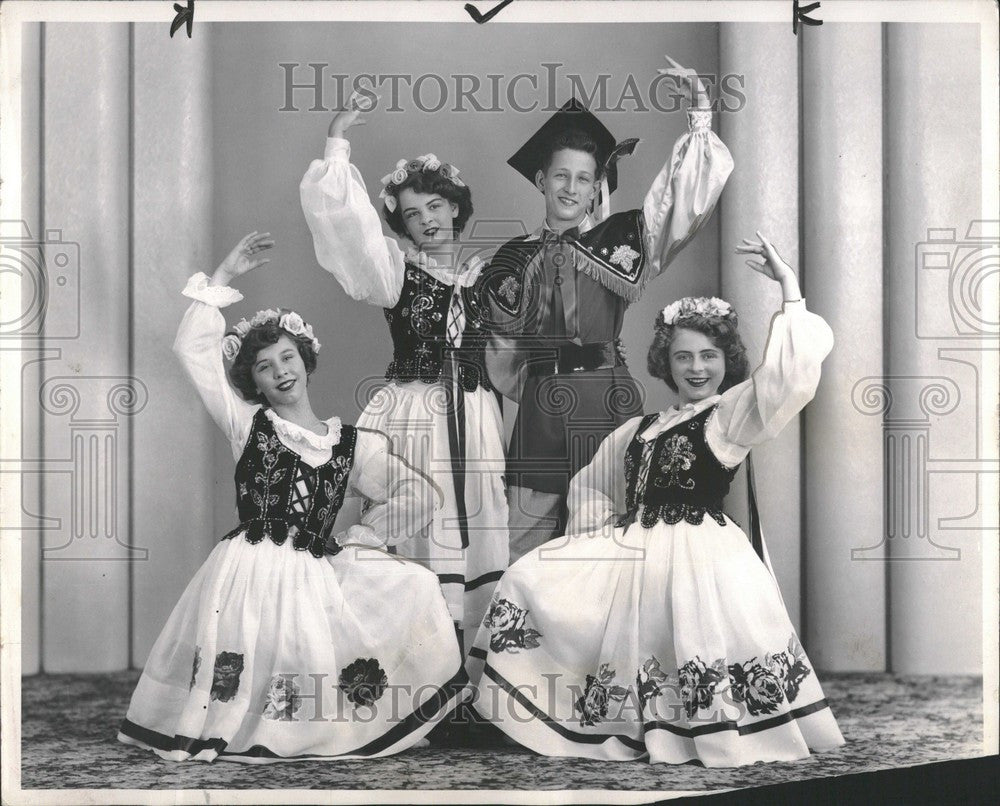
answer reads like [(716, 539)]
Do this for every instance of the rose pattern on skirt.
[(506, 621), (363, 681), (698, 683), (598, 693), (226, 675), (282, 699), (649, 680)]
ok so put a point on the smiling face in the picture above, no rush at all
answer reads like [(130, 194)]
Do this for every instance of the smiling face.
[(697, 366), (428, 217), (569, 184), (279, 373)]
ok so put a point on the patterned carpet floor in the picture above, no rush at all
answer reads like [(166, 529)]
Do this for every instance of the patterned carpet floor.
[(69, 723)]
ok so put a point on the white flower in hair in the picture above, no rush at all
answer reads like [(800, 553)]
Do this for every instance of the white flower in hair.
[(390, 202), (241, 328), (399, 176), (722, 308), (671, 312), (231, 346), (432, 163), (293, 323), (263, 317), (400, 164)]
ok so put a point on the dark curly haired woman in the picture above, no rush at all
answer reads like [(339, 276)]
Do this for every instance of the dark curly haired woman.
[(282, 603), (438, 406), (657, 629)]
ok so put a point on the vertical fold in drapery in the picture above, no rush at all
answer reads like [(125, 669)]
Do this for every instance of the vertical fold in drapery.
[(930, 412), (87, 396), (172, 202), (844, 568), (763, 193)]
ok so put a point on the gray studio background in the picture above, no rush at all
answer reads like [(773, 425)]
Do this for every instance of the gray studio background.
[(155, 155)]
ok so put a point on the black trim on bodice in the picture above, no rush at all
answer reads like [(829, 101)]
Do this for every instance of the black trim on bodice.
[(265, 483), (685, 481), (418, 325)]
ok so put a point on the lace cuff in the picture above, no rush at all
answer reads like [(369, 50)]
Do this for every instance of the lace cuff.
[(700, 120), (338, 149), (218, 296), (359, 536)]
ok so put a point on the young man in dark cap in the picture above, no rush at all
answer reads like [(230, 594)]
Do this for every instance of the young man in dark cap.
[(558, 296)]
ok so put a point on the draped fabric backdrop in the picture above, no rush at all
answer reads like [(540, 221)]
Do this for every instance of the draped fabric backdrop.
[(156, 155)]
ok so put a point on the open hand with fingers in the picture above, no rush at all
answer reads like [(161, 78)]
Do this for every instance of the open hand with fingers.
[(245, 257), (688, 79), (771, 265), (350, 116)]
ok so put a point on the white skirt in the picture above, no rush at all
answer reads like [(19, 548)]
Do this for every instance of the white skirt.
[(274, 655), (414, 416), (669, 643)]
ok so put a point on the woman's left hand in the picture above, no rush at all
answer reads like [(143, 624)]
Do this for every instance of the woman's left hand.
[(687, 77), (772, 265)]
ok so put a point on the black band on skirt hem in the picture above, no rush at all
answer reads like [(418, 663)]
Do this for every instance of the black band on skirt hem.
[(428, 710), (687, 733)]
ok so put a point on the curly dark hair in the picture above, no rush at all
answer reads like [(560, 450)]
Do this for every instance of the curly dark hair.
[(722, 331), (259, 337), (574, 140), (430, 182)]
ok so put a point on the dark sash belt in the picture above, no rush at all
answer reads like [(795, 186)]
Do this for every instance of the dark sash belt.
[(571, 357)]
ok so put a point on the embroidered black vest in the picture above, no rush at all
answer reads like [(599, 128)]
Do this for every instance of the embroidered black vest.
[(265, 482), (685, 480), (418, 324)]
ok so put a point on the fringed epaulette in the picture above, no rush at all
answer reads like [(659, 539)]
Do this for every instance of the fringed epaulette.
[(614, 254)]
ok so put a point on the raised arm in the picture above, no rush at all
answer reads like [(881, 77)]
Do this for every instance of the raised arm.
[(200, 336), (756, 410), (346, 230), (597, 492), (400, 500), (688, 187)]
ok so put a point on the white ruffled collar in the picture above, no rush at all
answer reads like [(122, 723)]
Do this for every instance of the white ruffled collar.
[(466, 275), (296, 433), (688, 408)]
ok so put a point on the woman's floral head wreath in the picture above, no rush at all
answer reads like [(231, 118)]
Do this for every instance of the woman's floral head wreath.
[(427, 163), (289, 321), (690, 307)]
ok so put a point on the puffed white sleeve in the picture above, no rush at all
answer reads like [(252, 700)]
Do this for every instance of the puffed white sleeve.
[(347, 234), (400, 501), (597, 492), (198, 345), (685, 191), (756, 410)]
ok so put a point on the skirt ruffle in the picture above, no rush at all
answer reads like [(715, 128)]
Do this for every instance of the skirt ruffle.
[(272, 655), (669, 643)]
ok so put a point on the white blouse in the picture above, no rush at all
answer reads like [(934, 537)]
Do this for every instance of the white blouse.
[(400, 499), (748, 414)]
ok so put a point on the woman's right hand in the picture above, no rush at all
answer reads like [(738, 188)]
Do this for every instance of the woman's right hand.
[(771, 265), (351, 116), (243, 258)]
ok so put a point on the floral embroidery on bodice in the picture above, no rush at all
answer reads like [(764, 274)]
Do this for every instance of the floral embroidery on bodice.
[(674, 476), (418, 325), (279, 496)]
